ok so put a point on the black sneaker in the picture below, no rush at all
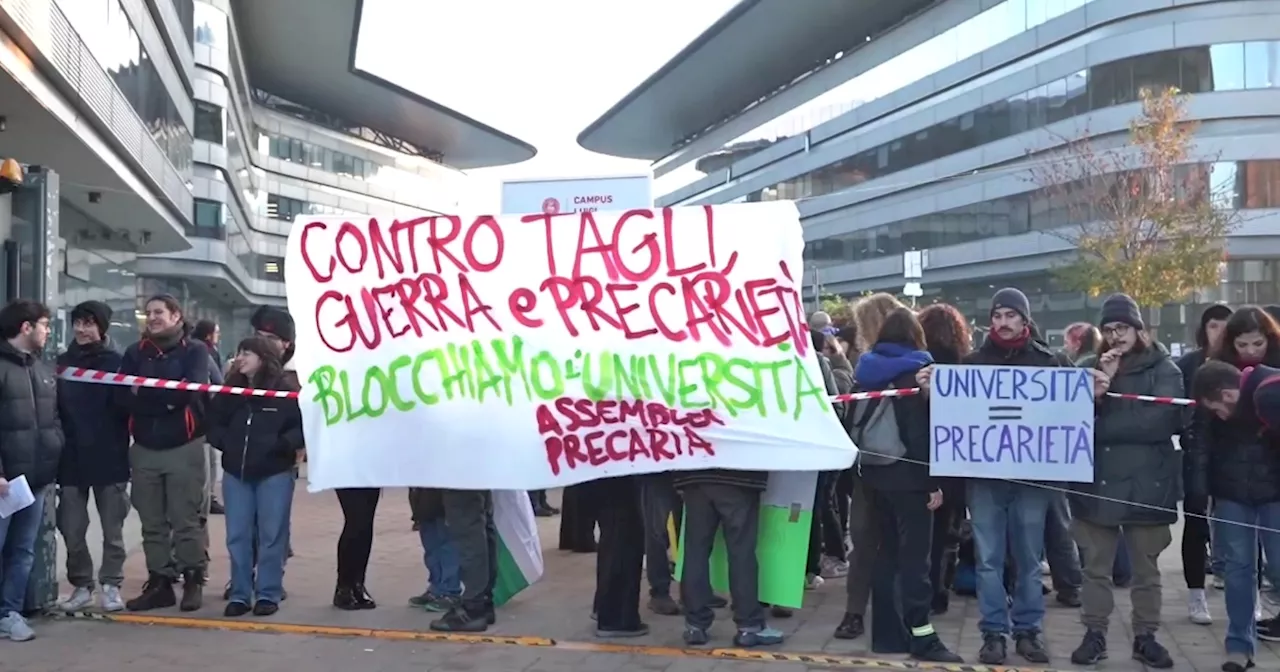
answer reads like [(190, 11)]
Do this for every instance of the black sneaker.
[(1092, 649), (851, 627), (1151, 653), (695, 636), (235, 609), (1269, 629), (265, 608), (931, 649), (1069, 598), (663, 605), (994, 649), (215, 508), (1029, 646), (157, 593), (459, 619)]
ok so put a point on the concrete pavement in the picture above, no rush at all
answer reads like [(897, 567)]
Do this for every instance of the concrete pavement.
[(554, 609)]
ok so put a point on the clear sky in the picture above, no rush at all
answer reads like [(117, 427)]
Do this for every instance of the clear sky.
[(540, 70)]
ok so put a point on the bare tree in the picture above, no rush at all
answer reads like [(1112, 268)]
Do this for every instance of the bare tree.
[(1147, 220)]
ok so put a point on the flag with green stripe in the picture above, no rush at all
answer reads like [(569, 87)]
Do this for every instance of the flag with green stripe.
[(519, 549)]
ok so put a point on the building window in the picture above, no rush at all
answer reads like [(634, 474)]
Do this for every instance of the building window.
[(209, 122), (186, 14), (106, 30), (284, 208), (305, 153), (273, 268), (207, 220)]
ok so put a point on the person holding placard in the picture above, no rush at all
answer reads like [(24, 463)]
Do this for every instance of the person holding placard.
[(1240, 470), (1008, 518), (1136, 486), (31, 443), (892, 435)]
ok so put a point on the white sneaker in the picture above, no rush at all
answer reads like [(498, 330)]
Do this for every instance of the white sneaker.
[(812, 582), (1198, 607), (111, 599), (1218, 582), (15, 627), (1044, 568), (833, 568), (1257, 609), (80, 598)]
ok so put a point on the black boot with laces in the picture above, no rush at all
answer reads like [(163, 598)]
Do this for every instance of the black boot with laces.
[(994, 649), (157, 593)]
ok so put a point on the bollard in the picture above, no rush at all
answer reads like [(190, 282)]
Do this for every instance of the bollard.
[(42, 588)]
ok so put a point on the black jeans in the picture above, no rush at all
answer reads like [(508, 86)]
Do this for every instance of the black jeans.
[(620, 556), (469, 514), (1195, 541), (708, 508), (578, 519), (359, 506), (901, 593), (945, 545), (658, 501), (824, 523)]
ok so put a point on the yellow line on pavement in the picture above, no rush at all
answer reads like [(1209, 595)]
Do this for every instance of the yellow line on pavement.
[(755, 655)]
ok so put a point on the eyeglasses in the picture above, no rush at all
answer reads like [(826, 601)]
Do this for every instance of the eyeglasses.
[(1117, 330)]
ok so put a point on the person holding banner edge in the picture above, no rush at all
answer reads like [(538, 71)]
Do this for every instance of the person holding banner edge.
[(1009, 518), (1136, 486)]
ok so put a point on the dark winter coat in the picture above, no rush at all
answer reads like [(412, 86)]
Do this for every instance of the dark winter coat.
[(259, 437), (162, 419), (1239, 461), (94, 421), (31, 436), (1134, 458), (892, 365)]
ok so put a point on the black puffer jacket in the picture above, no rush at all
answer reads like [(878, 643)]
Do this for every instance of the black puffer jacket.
[(94, 420), (258, 437), (162, 419), (1134, 456), (31, 437), (1234, 461)]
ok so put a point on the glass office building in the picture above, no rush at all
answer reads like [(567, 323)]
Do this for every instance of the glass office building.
[(170, 149), (919, 135)]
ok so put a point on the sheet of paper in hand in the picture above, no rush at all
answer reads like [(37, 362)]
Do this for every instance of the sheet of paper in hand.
[(1019, 422), (535, 351)]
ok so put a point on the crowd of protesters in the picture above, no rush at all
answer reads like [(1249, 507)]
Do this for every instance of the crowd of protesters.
[(902, 539)]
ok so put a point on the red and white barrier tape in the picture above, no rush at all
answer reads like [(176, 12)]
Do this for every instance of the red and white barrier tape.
[(107, 378)]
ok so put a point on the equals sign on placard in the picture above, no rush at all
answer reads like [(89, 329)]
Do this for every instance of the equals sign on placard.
[(1004, 413)]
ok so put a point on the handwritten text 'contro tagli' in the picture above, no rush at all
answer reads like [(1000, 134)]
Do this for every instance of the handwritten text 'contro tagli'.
[(503, 370), (417, 277)]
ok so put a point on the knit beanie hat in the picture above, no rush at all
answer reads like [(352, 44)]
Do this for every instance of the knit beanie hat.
[(1218, 311), (1121, 308), (1014, 300), (275, 321), (96, 311)]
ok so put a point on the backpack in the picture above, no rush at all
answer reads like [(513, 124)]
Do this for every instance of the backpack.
[(874, 430)]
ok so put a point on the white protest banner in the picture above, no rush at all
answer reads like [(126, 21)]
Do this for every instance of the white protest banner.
[(1019, 422), (535, 351)]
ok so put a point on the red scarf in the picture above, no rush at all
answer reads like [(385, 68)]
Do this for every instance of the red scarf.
[(1016, 343)]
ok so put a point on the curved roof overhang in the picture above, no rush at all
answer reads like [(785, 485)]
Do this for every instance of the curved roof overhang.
[(296, 49), (756, 48)]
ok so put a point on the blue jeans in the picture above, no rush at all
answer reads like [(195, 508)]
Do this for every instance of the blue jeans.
[(262, 507), (1008, 518), (1236, 539), (440, 555), (18, 544)]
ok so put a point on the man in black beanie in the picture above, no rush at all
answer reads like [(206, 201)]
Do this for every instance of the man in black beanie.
[(1007, 516), (1195, 531), (276, 325), (94, 461)]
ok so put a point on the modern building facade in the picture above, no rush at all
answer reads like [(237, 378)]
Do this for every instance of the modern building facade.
[(913, 131), (172, 143)]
